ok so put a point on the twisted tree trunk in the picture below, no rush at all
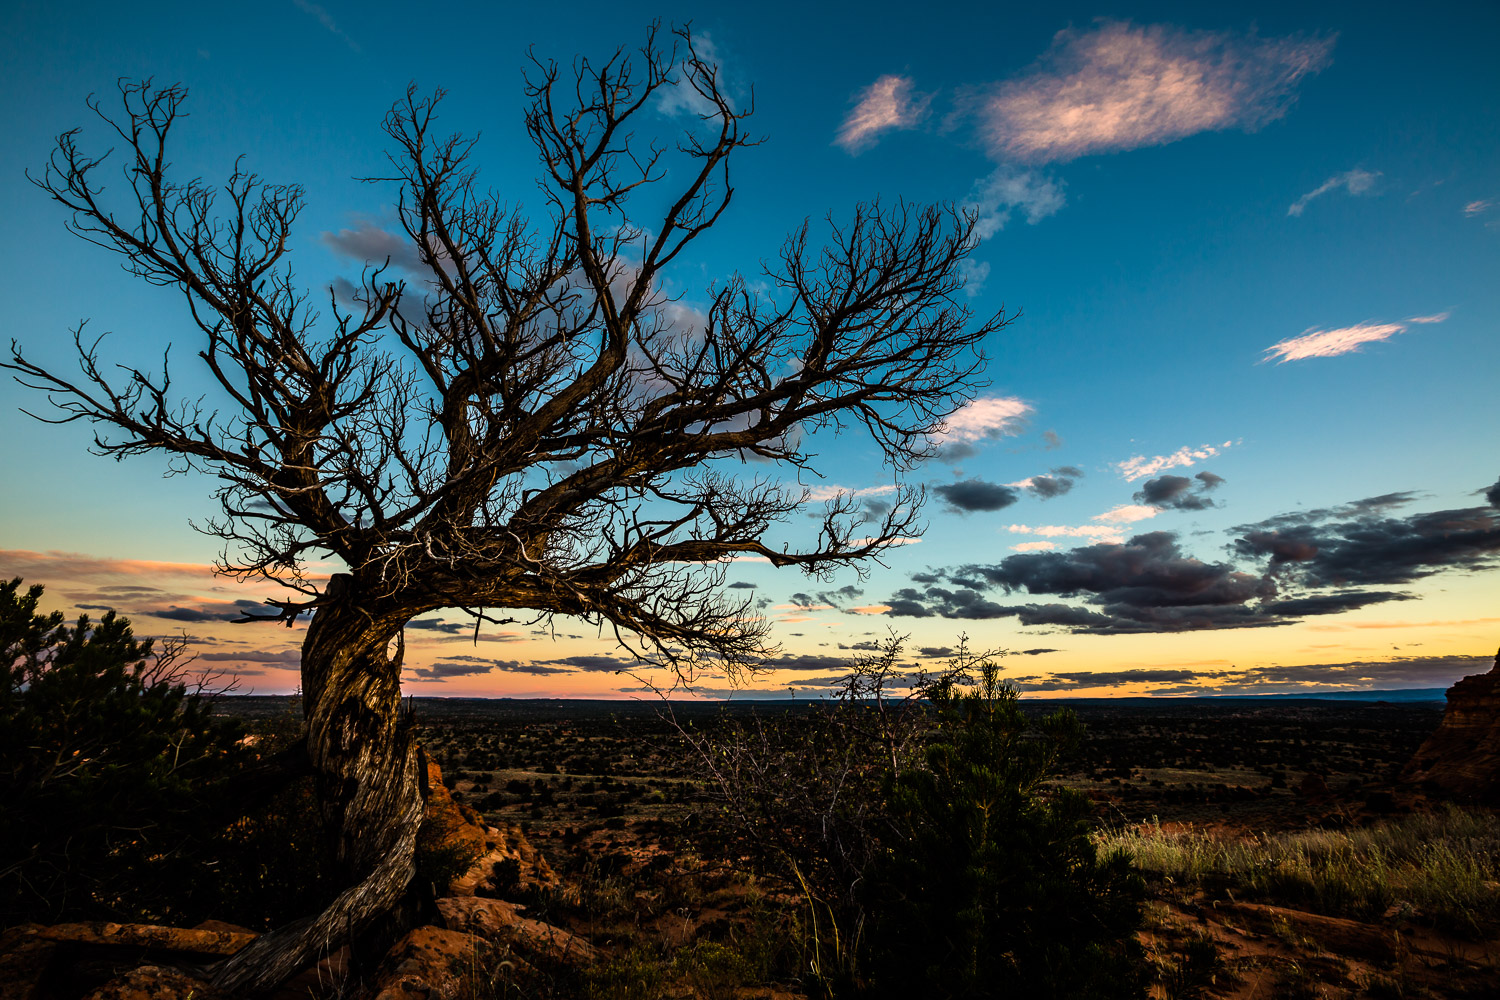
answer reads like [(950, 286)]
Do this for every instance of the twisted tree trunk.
[(364, 763)]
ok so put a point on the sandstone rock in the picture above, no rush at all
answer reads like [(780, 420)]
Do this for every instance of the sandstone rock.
[(150, 936), (330, 977), (432, 962), (459, 825), (444, 814), (502, 923), (150, 982), (220, 925), (1461, 759), (25, 959)]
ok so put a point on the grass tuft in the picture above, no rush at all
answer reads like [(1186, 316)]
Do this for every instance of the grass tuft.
[(1440, 868)]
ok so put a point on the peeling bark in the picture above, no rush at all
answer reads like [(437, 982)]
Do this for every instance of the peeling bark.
[(365, 765)]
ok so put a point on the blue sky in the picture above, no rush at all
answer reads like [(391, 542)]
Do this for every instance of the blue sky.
[(1167, 193)]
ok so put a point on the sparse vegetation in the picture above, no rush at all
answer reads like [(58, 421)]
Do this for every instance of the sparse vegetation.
[(1442, 868), (928, 855)]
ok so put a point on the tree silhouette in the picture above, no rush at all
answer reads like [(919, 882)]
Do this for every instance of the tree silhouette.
[(531, 425)]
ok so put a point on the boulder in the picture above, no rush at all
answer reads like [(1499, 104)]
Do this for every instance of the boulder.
[(1314, 787), (433, 962), (502, 922), (1342, 936), (1461, 759)]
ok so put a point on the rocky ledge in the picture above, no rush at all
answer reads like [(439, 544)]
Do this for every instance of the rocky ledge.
[(1461, 759)]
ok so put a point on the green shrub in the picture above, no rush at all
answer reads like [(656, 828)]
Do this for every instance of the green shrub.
[(105, 745), (987, 887), (930, 860)]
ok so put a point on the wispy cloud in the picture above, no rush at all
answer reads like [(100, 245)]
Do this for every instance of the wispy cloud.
[(1315, 343), (1034, 547), (1120, 86), (326, 20), (1139, 467), (888, 103), (1008, 189), (1479, 207), (1354, 181), (975, 274)]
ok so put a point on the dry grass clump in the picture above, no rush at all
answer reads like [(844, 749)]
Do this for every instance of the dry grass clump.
[(1441, 868)]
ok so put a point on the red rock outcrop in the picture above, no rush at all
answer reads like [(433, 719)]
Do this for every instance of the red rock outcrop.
[(460, 824), (1461, 760), (481, 935)]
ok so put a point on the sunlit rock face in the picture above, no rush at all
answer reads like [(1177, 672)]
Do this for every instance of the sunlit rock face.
[(1461, 760)]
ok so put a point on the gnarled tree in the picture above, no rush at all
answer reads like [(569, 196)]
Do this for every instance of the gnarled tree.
[(530, 424)]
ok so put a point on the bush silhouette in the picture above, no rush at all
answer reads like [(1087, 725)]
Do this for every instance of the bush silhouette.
[(103, 740), (932, 858), (989, 885)]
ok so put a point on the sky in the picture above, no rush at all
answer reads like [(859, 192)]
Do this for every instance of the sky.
[(1241, 437)]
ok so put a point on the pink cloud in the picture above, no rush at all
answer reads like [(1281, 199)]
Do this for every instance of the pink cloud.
[(886, 104), (1034, 546), (1315, 343), (43, 567), (871, 609), (1119, 86), (1139, 467)]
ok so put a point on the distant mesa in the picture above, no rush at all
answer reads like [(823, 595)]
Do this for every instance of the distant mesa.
[(1461, 760)]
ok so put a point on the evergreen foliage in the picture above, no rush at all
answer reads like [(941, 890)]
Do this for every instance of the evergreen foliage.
[(103, 740), (988, 887)]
